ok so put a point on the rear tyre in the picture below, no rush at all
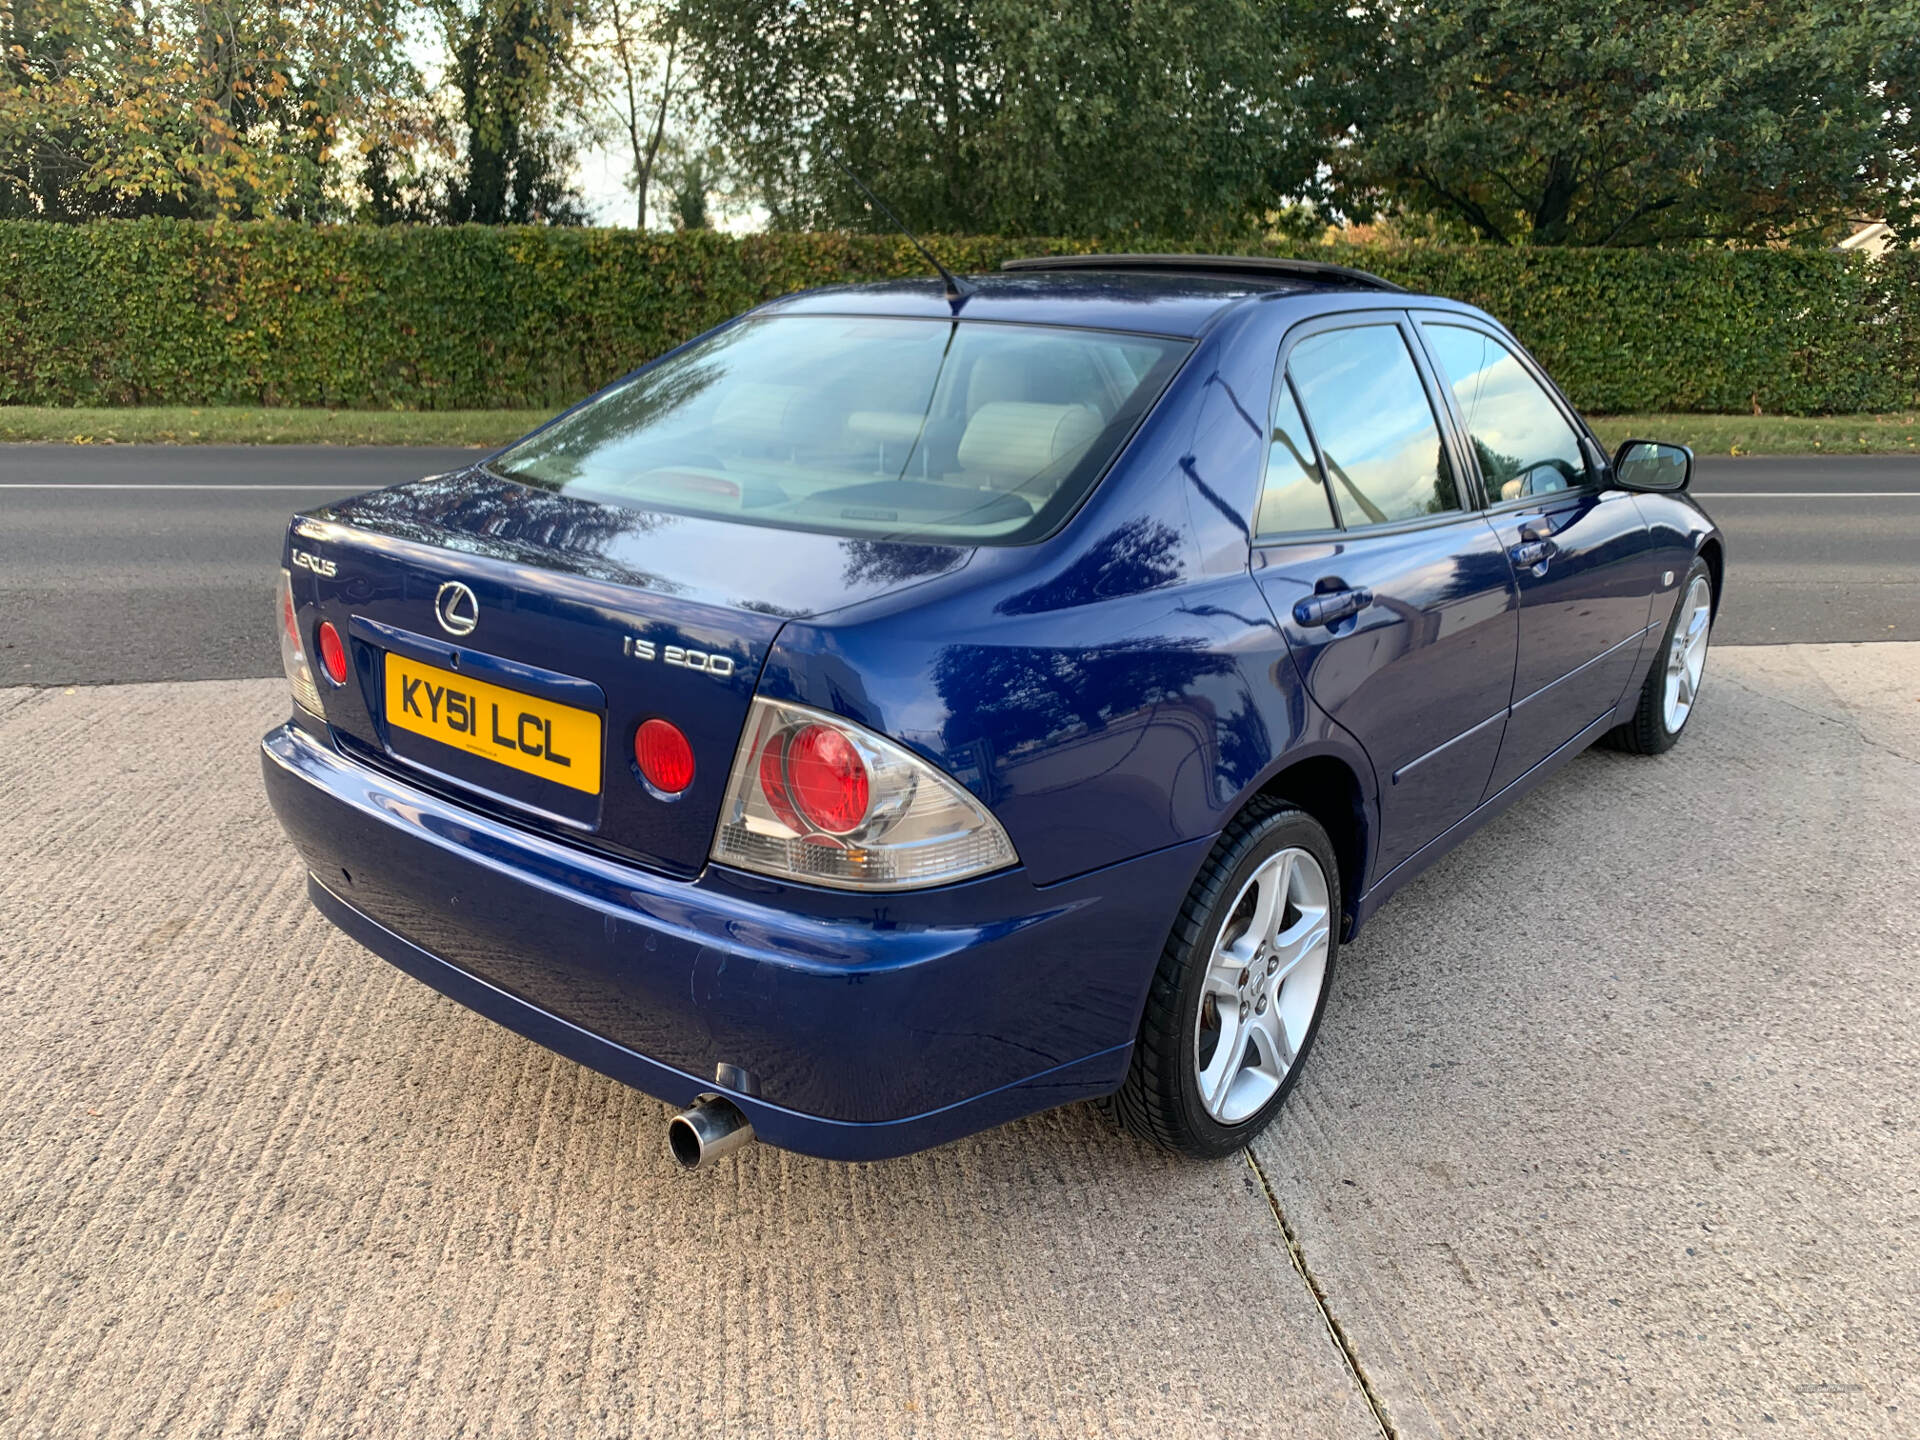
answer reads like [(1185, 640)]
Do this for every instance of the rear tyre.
[(1237, 998), (1673, 682)]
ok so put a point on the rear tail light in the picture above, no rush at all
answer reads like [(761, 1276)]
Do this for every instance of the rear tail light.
[(816, 798), (293, 655), (826, 779)]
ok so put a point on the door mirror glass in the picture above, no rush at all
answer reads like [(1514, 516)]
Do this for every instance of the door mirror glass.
[(1652, 465)]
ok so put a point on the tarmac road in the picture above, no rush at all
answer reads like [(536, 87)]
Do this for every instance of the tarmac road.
[(156, 562), (1612, 1131)]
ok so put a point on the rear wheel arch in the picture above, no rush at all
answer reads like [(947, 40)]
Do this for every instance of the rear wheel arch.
[(1328, 789)]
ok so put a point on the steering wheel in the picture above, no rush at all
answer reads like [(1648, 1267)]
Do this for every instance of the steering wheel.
[(1557, 474)]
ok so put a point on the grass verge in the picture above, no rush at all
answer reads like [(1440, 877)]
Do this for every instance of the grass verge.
[(238, 425), (1897, 434)]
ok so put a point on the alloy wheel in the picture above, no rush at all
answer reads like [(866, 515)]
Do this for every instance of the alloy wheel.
[(1262, 986), (1687, 655)]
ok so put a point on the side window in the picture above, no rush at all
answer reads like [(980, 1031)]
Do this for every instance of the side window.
[(1385, 458), (1294, 497), (1525, 445)]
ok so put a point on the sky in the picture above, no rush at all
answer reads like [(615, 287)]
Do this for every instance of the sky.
[(601, 173)]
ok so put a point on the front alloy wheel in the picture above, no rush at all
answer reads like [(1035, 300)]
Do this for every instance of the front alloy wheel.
[(1687, 652), (1672, 687)]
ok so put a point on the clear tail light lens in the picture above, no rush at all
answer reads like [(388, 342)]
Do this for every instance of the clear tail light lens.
[(819, 799), (293, 655)]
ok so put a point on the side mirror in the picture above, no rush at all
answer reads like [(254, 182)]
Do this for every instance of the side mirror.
[(1652, 465)]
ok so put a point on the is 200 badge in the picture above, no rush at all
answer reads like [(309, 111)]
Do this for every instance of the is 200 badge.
[(718, 666)]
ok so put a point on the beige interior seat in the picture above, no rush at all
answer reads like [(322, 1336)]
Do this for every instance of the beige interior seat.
[(1008, 442)]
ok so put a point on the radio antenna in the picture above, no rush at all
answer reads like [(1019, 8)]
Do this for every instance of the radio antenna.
[(957, 289)]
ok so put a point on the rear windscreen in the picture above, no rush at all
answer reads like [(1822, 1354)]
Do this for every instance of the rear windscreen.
[(978, 431)]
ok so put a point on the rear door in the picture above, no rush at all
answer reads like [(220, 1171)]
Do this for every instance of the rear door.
[(1580, 552), (1395, 596)]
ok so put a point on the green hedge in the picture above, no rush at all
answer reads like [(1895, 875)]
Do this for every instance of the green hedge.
[(1897, 279), (173, 312)]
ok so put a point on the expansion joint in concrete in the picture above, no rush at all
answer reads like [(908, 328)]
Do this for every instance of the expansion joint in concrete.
[(1342, 1341)]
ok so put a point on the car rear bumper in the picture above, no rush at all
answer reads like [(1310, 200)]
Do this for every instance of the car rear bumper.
[(868, 1026)]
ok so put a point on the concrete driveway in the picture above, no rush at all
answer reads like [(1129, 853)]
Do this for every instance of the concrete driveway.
[(1612, 1132)]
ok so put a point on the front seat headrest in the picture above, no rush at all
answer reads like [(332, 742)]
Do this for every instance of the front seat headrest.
[(1009, 442)]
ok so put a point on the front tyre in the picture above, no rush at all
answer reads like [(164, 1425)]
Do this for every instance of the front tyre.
[(1673, 683), (1237, 998)]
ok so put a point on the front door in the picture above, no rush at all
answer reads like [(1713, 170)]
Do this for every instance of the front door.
[(1580, 553), (1395, 597)]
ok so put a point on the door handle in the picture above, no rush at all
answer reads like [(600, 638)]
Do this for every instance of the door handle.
[(1533, 552), (1332, 606)]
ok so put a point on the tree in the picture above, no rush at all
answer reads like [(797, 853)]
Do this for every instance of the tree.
[(636, 73), (1891, 172), (1081, 117), (306, 109), (181, 108), (511, 61), (55, 98), (1622, 122), (699, 185)]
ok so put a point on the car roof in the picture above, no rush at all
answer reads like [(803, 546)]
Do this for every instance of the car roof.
[(1150, 294)]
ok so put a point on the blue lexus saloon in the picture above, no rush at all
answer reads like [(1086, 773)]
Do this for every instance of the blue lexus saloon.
[(907, 707)]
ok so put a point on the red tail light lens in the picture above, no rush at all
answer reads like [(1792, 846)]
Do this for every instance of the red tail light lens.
[(816, 798), (826, 780), (333, 655), (664, 756), (773, 782)]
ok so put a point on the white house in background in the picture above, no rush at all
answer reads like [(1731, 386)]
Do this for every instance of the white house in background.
[(1875, 238)]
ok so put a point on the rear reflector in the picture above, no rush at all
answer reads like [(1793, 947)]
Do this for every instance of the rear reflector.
[(333, 655), (664, 756)]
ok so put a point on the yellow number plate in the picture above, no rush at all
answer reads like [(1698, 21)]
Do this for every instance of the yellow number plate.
[(555, 742)]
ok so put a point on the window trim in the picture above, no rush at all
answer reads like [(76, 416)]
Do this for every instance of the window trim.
[(1594, 484), (1465, 481)]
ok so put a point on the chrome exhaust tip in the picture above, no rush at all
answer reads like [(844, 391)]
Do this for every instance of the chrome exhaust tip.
[(712, 1128)]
